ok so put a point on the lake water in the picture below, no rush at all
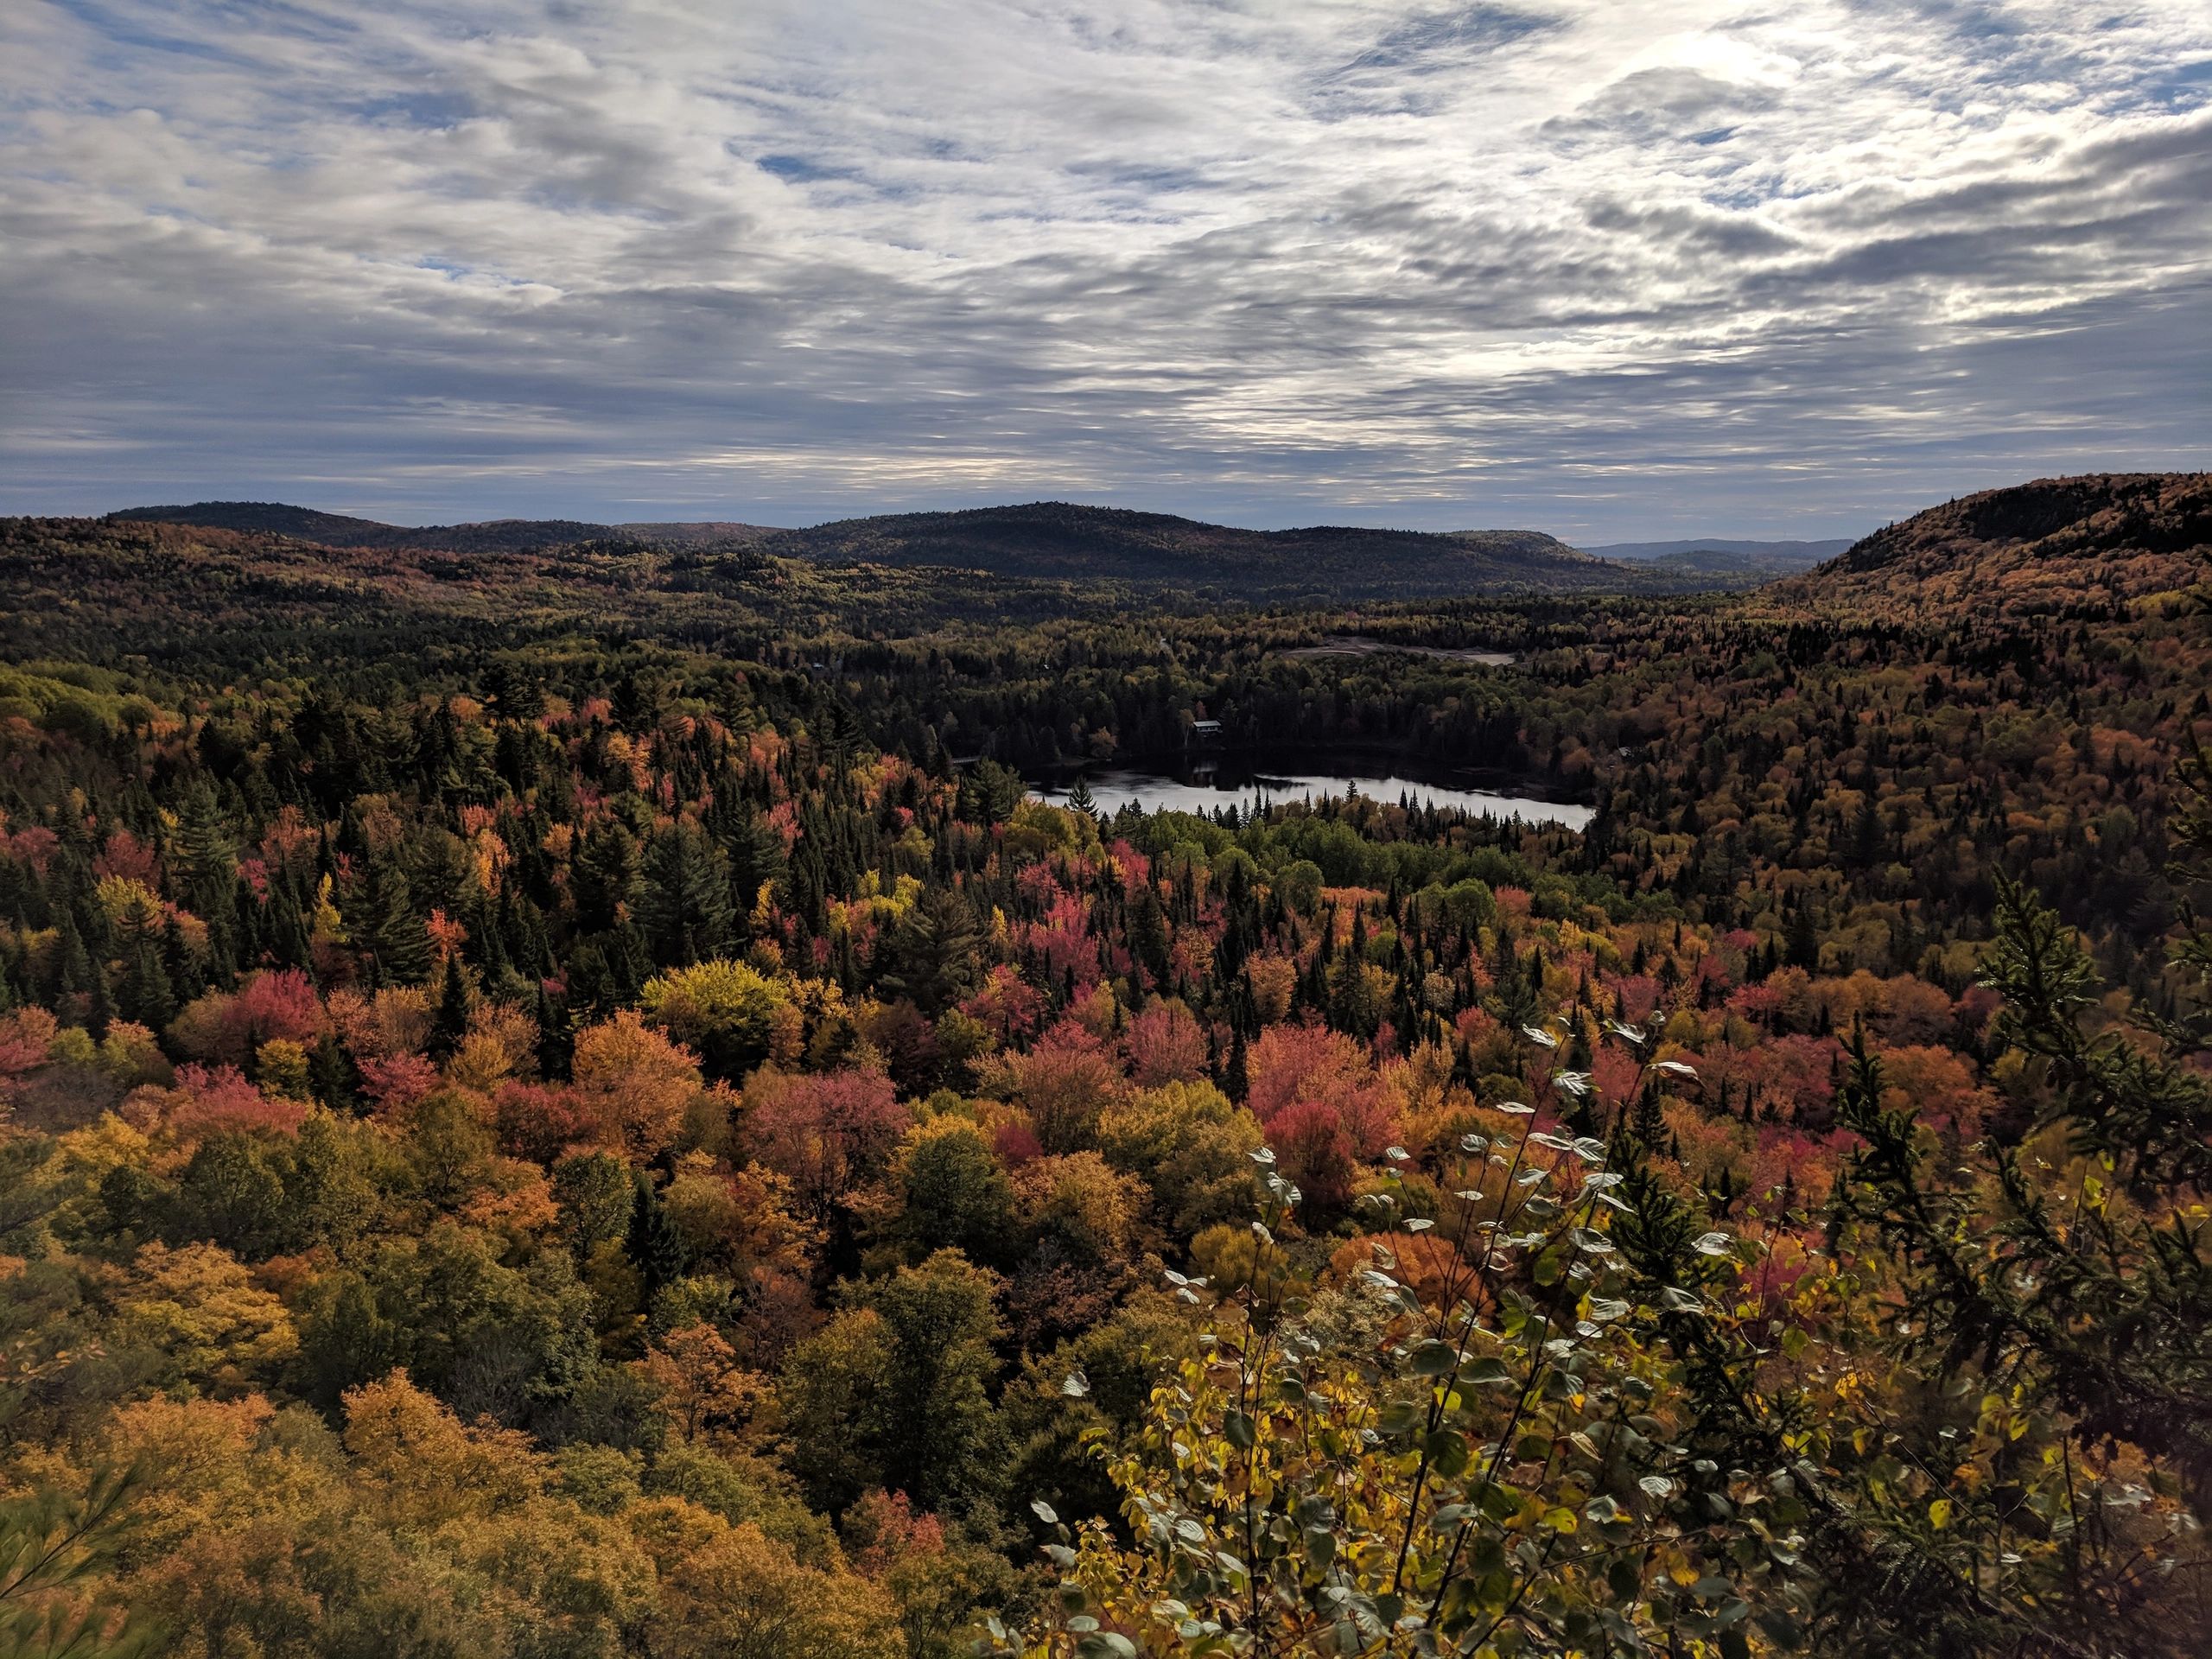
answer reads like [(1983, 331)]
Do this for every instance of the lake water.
[(1231, 783)]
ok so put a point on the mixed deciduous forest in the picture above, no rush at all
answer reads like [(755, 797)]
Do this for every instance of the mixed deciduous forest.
[(563, 1100)]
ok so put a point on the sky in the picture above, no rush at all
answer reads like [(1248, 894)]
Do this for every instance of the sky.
[(1614, 271)]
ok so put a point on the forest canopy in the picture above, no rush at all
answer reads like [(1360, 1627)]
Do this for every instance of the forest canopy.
[(568, 1099)]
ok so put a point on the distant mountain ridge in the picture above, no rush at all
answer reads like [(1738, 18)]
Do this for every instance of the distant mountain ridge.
[(1798, 553), (1060, 539), (2078, 543), (1720, 560), (336, 530), (1044, 540)]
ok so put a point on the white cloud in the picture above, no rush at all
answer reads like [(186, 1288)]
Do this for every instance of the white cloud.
[(1615, 270)]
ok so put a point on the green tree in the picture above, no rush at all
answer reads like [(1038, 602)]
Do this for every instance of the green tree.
[(684, 908), (932, 953), (2059, 1291), (942, 1442), (605, 875), (726, 1012), (451, 1025), (654, 1243), (383, 923), (955, 1194)]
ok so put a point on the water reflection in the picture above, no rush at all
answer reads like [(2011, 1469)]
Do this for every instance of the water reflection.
[(1208, 786)]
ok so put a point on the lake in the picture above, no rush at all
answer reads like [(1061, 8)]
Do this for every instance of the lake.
[(1210, 784)]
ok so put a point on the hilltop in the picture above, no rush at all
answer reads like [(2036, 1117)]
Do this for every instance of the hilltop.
[(337, 529), (2054, 543), (1059, 539)]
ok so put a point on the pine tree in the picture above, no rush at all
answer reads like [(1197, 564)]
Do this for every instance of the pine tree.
[(451, 1025), (332, 1076), (146, 995), (1148, 934), (204, 859), (684, 909), (754, 853), (557, 1037), (654, 1246), (1804, 947), (385, 925), (931, 954), (99, 1006), (603, 876)]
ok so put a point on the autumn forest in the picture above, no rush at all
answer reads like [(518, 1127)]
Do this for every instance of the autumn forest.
[(562, 1096)]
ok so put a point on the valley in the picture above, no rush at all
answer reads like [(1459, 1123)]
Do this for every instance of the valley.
[(636, 1053)]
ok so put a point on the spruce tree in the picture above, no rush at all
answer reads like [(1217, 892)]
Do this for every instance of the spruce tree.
[(451, 1025), (557, 1037), (684, 907), (654, 1246), (385, 925)]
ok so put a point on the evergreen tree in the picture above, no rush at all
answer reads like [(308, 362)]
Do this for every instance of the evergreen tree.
[(754, 853), (653, 1244), (931, 953), (684, 909), (145, 994), (1236, 1081), (1804, 944), (603, 876), (451, 1025), (557, 1036), (384, 923)]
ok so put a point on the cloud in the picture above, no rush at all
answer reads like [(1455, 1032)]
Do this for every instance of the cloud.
[(1615, 271)]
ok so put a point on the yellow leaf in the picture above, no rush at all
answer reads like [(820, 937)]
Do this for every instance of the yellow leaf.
[(1939, 1514)]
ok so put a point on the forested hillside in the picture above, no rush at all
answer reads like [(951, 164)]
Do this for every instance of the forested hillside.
[(567, 1102), (1175, 561)]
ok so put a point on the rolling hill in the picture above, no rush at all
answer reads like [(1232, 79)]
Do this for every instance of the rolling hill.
[(2056, 543), (1056, 539), (1717, 561), (1795, 555), (1036, 542), (336, 530)]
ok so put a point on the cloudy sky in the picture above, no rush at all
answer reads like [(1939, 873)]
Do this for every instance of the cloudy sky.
[(1612, 269)]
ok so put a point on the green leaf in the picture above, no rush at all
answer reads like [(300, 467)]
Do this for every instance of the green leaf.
[(1400, 1419), (1500, 1502), (1435, 1358)]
